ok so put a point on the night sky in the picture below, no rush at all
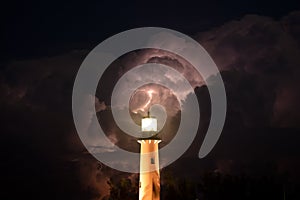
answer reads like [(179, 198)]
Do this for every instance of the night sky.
[(256, 46)]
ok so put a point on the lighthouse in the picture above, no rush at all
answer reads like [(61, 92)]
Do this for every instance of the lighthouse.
[(149, 184)]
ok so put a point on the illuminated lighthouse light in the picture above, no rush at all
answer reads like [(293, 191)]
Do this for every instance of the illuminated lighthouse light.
[(149, 124)]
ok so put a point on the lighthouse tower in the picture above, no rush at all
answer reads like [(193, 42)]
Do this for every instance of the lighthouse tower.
[(149, 186)]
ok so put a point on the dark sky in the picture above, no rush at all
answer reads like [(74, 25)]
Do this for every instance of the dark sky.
[(35, 28), (43, 44)]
